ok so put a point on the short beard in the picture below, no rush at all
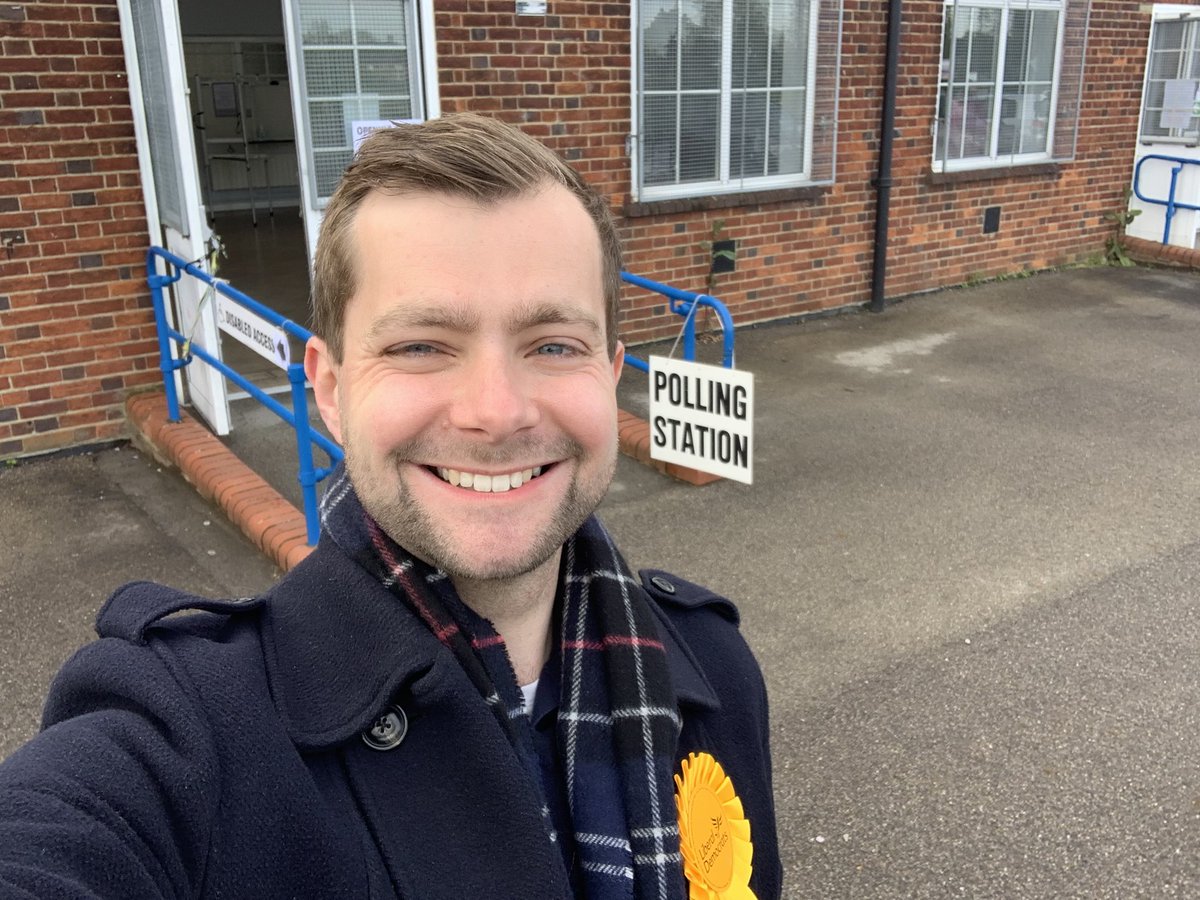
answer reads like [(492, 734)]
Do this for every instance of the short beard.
[(415, 529)]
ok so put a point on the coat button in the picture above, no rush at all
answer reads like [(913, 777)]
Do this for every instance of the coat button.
[(387, 731), (662, 584)]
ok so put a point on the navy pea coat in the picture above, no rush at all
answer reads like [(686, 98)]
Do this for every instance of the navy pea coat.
[(218, 753)]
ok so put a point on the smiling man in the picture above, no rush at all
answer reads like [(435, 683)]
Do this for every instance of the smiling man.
[(463, 692)]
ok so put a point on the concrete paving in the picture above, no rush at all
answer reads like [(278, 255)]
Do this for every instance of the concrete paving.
[(75, 528), (968, 567)]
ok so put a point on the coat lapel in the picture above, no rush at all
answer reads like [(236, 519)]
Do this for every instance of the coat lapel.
[(455, 792), (451, 809)]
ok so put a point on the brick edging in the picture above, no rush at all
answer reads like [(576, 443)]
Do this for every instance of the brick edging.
[(268, 519), (1161, 254), (634, 439)]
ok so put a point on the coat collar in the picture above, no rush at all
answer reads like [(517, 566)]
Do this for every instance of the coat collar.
[(338, 647)]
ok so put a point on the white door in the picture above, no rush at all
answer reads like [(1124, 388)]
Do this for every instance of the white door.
[(1170, 127), (352, 61), (171, 180)]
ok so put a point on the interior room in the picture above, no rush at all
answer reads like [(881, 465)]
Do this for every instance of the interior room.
[(236, 61)]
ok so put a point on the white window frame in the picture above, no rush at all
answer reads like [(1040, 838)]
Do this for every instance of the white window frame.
[(423, 83), (425, 59), (724, 184), (994, 159), (1188, 17)]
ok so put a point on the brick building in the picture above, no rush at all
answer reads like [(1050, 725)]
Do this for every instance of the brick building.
[(749, 121)]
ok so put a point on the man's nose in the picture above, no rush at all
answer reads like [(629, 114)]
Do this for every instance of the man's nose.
[(494, 397)]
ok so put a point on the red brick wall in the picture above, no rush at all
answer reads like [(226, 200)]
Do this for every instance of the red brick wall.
[(565, 78), (76, 331)]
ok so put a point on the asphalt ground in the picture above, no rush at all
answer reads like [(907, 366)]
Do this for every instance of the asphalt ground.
[(968, 567)]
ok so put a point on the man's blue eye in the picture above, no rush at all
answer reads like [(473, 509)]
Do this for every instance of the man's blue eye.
[(413, 350), (555, 349)]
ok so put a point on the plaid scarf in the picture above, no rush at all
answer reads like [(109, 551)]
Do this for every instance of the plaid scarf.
[(617, 720)]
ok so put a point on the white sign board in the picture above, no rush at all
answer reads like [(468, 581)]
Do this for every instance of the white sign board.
[(361, 129), (1179, 99), (254, 331), (702, 417)]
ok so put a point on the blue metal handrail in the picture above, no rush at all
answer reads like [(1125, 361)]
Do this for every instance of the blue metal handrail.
[(297, 417), (685, 303), (1170, 203)]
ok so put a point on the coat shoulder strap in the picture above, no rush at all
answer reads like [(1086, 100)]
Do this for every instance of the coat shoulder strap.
[(672, 590), (135, 608)]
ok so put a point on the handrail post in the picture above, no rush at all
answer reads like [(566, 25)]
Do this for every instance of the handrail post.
[(307, 474), (166, 360), (689, 331), (1171, 204), (727, 328)]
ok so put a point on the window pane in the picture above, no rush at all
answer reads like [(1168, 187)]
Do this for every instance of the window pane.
[(660, 47), (329, 166), (700, 46), (1165, 65), (982, 43), (699, 135), (1043, 44), (789, 44), (977, 121), (380, 22), (786, 133), (751, 39), (400, 108), (1168, 35), (975, 37), (384, 71), (748, 136), (1024, 121), (329, 73), (1016, 53), (327, 124), (658, 140), (1155, 94), (325, 22), (967, 132)]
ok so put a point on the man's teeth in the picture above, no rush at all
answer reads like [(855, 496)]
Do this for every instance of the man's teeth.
[(489, 484)]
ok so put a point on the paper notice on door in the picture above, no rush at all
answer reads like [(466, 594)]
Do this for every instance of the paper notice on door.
[(1179, 101)]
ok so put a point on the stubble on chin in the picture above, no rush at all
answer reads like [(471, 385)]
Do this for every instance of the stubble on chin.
[(389, 502)]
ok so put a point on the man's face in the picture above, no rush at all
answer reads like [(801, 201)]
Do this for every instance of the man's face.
[(475, 398)]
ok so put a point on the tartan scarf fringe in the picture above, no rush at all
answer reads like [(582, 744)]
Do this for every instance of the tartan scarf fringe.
[(618, 723)]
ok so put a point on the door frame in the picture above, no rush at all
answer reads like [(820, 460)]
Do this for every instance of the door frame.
[(188, 314)]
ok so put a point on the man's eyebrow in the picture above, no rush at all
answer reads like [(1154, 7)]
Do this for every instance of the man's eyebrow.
[(554, 314), (465, 320), (451, 318)]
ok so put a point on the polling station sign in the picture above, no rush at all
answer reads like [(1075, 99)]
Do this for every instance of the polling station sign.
[(254, 331), (702, 417)]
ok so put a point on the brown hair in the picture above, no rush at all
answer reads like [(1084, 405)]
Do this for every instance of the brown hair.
[(464, 155)]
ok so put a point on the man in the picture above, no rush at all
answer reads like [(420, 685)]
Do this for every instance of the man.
[(462, 693)]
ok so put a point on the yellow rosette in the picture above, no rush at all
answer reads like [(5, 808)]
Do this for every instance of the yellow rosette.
[(714, 834)]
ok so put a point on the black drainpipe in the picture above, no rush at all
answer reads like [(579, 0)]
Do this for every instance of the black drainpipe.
[(883, 182)]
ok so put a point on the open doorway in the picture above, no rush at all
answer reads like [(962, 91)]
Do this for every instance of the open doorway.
[(247, 113), (235, 57)]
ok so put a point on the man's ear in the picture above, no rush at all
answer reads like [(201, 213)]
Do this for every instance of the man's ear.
[(618, 361), (323, 372)]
